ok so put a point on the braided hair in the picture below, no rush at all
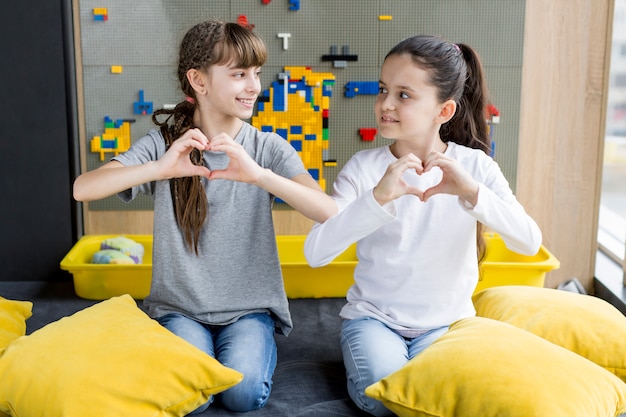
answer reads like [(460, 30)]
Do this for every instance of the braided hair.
[(208, 43)]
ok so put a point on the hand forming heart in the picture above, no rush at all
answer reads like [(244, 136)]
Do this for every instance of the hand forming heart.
[(455, 180)]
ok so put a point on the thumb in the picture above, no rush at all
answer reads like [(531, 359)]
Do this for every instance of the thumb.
[(416, 192), (201, 171), (430, 192)]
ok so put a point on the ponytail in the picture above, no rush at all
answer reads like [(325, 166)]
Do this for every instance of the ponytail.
[(469, 127)]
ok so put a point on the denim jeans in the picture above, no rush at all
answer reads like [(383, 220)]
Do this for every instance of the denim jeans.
[(247, 345), (371, 351)]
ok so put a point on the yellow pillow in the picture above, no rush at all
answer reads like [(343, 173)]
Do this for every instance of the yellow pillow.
[(581, 323), (13, 316), (110, 359), (483, 367)]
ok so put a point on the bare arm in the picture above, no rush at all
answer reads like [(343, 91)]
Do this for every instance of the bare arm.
[(301, 192), (114, 177), (111, 179)]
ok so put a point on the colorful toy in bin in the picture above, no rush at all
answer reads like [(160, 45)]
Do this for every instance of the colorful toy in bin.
[(125, 245), (111, 256)]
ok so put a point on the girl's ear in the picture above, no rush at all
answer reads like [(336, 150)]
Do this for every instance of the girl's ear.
[(447, 111), (197, 80)]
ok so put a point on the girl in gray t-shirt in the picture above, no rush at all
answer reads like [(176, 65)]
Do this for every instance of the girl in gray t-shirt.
[(216, 278)]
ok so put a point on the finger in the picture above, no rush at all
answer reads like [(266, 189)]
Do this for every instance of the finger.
[(430, 192), (436, 159), (201, 171), (416, 192), (197, 135)]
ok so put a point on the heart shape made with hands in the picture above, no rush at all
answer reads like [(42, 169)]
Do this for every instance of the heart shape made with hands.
[(425, 180)]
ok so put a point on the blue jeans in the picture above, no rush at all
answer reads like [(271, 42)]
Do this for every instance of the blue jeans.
[(371, 351), (246, 345)]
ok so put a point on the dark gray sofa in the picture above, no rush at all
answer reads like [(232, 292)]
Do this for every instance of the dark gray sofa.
[(309, 380)]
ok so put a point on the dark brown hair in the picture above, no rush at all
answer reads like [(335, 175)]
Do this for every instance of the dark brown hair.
[(208, 43), (457, 73)]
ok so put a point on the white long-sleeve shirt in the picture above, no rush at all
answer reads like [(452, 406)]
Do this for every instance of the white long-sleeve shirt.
[(417, 264)]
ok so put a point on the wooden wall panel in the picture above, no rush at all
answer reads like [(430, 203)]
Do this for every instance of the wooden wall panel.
[(287, 222), (563, 112)]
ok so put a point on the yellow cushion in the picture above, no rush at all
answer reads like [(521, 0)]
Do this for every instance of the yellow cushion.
[(110, 359), (581, 323), (13, 316), (483, 367)]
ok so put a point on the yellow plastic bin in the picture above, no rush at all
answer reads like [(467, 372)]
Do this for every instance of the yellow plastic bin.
[(302, 281), (100, 282), (505, 267)]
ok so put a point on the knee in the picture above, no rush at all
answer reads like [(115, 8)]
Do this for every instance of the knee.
[(246, 396), (369, 405)]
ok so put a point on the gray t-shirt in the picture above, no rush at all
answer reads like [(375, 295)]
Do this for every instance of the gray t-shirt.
[(237, 271)]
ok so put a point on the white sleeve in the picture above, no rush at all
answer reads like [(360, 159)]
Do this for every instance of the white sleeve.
[(499, 210), (359, 215), (328, 240)]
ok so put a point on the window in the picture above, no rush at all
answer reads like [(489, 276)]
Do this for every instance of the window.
[(612, 218)]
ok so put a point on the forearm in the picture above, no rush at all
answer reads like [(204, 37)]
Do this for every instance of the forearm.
[(357, 220), (302, 193), (111, 179), (519, 231)]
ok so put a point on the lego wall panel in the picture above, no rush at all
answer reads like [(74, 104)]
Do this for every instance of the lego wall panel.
[(129, 51)]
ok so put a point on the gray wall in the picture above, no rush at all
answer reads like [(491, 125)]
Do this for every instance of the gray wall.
[(143, 38)]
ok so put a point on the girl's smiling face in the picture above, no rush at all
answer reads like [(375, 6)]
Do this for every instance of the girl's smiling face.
[(407, 107), (233, 90)]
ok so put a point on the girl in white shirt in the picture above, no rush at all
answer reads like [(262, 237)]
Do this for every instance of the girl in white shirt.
[(417, 210)]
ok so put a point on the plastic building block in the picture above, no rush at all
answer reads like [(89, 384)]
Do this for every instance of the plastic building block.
[(354, 88), (242, 20), (493, 114), (141, 106), (344, 56), (116, 69), (285, 37), (294, 5), (385, 17), (115, 139), (100, 14), (280, 103), (296, 107), (368, 134), (297, 145)]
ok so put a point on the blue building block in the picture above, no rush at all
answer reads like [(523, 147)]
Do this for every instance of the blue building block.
[(279, 96), (282, 132), (294, 5), (267, 129), (297, 145), (354, 88), (315, 173), (310, 137), (141, 106), (295, 130)]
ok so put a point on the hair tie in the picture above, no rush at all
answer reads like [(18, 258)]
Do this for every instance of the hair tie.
[(456, 47), (190, 100)]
